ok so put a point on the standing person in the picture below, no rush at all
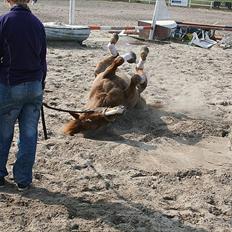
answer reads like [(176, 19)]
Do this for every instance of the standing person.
[(22, 74)]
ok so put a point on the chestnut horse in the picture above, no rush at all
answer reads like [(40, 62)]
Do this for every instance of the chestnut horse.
[(111, 93)]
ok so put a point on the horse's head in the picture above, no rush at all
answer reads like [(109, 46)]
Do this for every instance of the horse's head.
[(73, 126), (81, 123), (93, 120)]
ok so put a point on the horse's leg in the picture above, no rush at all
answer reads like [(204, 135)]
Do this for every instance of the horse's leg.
[(111, 45), (102, 65), (110, 70), (140, 69), (130, 57)]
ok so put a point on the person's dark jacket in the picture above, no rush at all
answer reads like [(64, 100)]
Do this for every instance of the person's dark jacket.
[(22, 47)]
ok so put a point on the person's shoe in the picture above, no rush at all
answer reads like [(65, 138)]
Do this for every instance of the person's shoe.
[(23, 187), (2, 182)]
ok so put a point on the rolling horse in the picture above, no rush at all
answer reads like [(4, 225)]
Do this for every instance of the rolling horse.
[(112, 91)]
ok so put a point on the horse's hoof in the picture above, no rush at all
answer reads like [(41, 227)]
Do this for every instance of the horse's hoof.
[(130, 57), (144, 52), (114, 38)]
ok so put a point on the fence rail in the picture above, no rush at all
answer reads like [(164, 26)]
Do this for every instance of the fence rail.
[(224, 4)]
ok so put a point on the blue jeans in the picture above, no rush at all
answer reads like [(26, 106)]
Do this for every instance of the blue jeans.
[(23, 103)]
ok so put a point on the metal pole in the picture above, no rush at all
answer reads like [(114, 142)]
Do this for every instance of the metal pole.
[(151, 35), (189, 4), (107, 28), (72, 12)]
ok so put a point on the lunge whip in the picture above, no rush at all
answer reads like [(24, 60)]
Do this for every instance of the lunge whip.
[(43, 123)]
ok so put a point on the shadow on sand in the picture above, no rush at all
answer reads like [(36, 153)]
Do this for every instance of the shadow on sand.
[(151, 122), (122, 214)]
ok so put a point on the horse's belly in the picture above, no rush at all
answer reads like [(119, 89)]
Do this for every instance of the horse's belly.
[(124, 78), (110, 91)]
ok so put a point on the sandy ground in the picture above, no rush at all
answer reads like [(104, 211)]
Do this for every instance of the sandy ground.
[(162, 169)]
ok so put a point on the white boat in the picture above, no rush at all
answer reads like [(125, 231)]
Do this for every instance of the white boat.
[(67, 32)]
